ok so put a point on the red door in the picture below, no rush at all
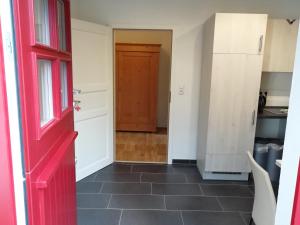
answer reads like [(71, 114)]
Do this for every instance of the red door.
[(7, 203), (43, 39), (296, 208)]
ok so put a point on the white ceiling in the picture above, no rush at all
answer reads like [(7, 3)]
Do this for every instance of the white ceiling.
[(175, 12)]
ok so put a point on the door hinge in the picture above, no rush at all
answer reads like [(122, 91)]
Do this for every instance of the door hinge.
[(170, 96)]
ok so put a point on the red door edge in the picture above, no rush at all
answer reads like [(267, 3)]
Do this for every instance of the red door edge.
[(7, 203), (296, 207)]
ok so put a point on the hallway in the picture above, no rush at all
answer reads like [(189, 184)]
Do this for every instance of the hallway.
[(148, 194)]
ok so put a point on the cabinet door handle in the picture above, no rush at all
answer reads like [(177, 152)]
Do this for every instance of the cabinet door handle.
[(261, 40), (253, 117)]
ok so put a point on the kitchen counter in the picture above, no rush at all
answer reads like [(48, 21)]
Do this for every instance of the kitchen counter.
[(272, 112)]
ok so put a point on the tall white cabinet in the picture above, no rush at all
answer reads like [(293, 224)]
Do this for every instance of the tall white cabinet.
[(233, 49)]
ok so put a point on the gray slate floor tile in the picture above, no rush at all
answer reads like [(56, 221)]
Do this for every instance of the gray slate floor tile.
[(117, 168), (92, 200), (194, 178), (244, 204), (176, 189), (192, 203), (88, 187), (226, 190), (152, 168), (212, 218), (144, 192), (163, 178), (127, 188), (137, 202), (150, 217), (89, 178), (189, 170), (118, 177), (246, 217), (98, 217)]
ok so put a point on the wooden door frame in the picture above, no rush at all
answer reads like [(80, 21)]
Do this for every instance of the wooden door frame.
[(168, 160)]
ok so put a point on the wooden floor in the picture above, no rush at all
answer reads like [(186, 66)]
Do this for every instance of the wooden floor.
[(141, 146)]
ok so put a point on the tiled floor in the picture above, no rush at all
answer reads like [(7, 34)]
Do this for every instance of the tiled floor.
[(135, 194)]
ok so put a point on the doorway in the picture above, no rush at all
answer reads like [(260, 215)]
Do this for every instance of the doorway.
[(140, 144)]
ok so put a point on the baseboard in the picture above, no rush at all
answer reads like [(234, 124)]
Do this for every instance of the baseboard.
[(225, 176), (184, 162), (88, 170)]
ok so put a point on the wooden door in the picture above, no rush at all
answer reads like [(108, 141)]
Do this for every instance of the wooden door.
[(93, 88), (240, 33), (233, 106), (7, 203), (137, 76), (43, 44)]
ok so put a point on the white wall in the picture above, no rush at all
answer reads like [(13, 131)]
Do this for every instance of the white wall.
[(278, 86), (186, 72), (291, 152)]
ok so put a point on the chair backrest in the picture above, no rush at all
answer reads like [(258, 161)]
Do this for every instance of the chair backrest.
[(264, 207)]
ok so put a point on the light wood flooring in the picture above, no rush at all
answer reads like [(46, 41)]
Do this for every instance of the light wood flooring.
[(141, 146)]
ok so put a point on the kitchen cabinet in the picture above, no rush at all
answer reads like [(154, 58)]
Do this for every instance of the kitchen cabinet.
[(239, 33), (280, 47), (137, 67), (229, 98)]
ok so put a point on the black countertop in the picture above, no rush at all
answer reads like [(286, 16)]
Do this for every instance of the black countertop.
[(272, 112)]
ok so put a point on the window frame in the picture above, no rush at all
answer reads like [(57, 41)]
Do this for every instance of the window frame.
[(55, 55), (42, 129), (66, 111), (53, 28)]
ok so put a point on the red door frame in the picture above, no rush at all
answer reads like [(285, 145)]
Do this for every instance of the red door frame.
[(7, 202), (296, 208), (48, 149)]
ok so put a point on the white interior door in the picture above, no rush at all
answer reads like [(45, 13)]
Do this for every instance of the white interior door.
[(93, 81)]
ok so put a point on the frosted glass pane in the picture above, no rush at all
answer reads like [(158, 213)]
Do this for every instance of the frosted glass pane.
[(64, 85), (45, 91), (41, 15), (61, 25)]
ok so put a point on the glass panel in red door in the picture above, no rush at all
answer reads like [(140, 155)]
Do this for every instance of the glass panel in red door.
[(45, 75)]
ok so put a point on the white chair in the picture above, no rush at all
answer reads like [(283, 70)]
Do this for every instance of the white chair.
[(264, 207)]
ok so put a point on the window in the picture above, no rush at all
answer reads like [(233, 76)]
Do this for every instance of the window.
[(45, 91), (64, 85), (41, 13), (61, 25)]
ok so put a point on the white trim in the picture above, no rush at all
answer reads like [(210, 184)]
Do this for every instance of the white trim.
[(95, 166), (13, 108)]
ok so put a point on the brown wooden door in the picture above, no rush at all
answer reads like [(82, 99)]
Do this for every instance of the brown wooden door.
[(137, 70)]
